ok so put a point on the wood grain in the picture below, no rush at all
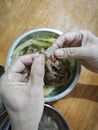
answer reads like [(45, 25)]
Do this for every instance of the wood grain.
[(80, 107)]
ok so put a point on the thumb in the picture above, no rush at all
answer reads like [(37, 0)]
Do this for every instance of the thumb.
[(72, 52), (37, 72)]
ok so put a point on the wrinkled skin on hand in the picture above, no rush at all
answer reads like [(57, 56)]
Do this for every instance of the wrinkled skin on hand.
[(81, 45), (24, 101)]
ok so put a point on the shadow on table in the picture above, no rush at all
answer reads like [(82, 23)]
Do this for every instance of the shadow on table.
[(89, 92)]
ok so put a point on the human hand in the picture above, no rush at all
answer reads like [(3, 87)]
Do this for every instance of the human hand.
[(81, 45), (24, 101)]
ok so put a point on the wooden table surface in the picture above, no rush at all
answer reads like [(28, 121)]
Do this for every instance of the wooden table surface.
[(80, 107)]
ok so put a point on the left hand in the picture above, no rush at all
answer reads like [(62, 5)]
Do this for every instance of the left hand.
[(24, 101)]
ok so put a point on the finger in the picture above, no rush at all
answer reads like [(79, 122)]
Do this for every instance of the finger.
[(20, 64), (73, 52), (37, 71), (70, 39)]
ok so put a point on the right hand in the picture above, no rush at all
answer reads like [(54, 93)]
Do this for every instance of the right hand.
[(81, 45)]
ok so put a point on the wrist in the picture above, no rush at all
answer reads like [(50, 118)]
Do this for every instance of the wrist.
[(23, 121)]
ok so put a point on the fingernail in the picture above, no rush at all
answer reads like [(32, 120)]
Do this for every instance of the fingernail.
[(41, 59), (59, 52)]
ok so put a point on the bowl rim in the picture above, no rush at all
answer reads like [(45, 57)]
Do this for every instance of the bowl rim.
[(14, 44), (74, 82), (68, 90), (58, 113)]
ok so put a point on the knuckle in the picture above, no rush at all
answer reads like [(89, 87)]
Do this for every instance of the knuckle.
[(71, 52)]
